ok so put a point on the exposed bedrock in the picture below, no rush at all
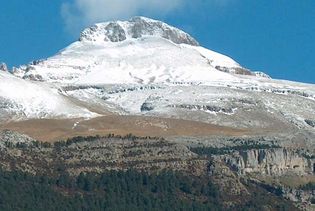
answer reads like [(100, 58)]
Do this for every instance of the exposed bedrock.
[(276, 161)]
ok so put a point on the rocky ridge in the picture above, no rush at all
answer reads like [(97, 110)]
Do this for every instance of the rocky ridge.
[(135, 28)]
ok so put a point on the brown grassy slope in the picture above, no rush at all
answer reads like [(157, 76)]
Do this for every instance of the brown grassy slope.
[(53, 129)]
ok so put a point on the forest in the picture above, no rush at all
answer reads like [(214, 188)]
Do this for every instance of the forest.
[(119, 190)]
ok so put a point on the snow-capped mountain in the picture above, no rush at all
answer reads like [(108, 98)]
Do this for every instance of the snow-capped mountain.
[(140, 51), (144, 67), (146, 78)]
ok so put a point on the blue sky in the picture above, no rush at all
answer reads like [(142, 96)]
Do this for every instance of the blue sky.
[(277, 37)]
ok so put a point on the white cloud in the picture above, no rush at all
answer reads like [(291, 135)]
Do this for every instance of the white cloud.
[(80, 13)]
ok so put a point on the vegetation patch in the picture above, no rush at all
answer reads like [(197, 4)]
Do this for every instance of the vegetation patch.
[(308, 187), (225, 150)]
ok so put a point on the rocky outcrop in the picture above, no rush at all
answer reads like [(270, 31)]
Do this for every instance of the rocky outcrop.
[(310, 122), (242, 71), (144, 27), (97, 154), (206, 108), (149, 103), (146, 106), (3, 67), (135, 28), (276, 161), (236, 70), (33, 77), (115, 33), (262, 74)]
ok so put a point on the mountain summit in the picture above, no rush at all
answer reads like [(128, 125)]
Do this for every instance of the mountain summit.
[(137, 27), (138, 51)]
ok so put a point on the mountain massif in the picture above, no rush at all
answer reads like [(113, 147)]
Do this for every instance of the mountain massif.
[(143, 95)]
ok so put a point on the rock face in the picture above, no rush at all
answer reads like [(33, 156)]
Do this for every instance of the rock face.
[(206, 108), (262, 74), (97, 155), (115, 33), (135, 28), (276, 161), (310, 122), (3, 67)]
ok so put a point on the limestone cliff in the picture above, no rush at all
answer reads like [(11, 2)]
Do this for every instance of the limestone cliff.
[(275, 161)]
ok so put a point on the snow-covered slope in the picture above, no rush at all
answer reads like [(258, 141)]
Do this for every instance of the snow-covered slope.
[(20, 99)]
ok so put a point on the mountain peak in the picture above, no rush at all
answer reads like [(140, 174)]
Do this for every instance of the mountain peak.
[(135, 28), (138, 51)]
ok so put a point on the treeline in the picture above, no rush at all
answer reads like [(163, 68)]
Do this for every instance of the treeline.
[(208, 151), (129, 137), (308, 187), (78, 139)]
